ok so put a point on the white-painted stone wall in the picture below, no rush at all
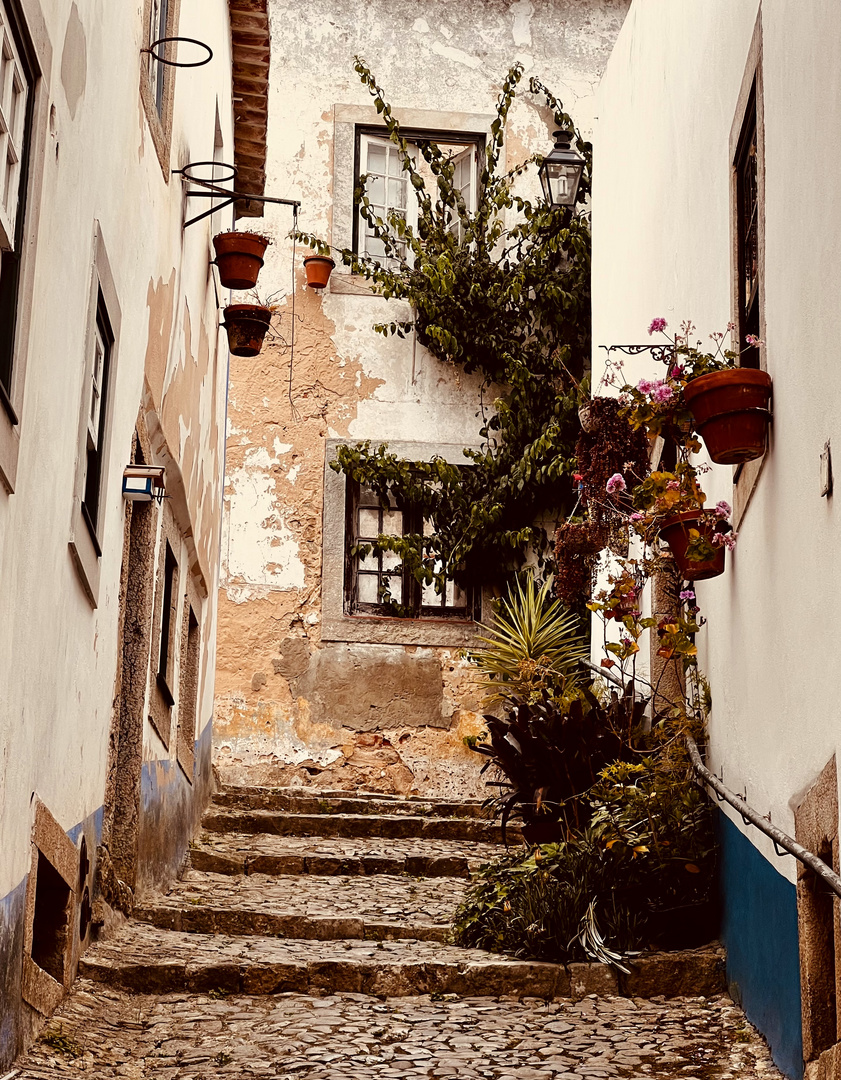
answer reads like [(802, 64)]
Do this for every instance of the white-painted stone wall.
[(662, 247)]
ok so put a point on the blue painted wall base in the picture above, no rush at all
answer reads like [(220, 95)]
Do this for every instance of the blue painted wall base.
[(759, 930)]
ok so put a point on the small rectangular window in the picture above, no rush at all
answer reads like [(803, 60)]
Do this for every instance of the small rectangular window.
[(376, 583), (158, 17), (747, 225), (102, 340), (390, 191), (166, 652)]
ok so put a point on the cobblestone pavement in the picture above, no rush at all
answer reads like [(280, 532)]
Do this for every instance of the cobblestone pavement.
[(302, 958), (109, 1035)]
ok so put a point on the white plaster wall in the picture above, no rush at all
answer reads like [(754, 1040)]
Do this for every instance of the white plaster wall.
[(57, 654), (662, 248)]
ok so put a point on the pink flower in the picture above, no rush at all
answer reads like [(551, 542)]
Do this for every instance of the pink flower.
[(657, 326), (615, 484), (645, 386), (687, 594), (723, 509), (725, 540), (676, 372), (673, 485), (637, 516), (753, 341), (662, 394)]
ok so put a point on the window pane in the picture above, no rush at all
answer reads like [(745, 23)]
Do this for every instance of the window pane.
[(397, 194), (370, 562), (391, 560), (375, 189), (430, 597), (367, 588), (393, 522), (395, 587), (456, 597), (395, 167), (373, 246), (376, 158), (369, 522)]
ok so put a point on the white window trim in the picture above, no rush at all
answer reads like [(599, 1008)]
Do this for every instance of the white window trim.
[(13, 92), (10, 425), (337, 625), (346, 120), (82, 545)]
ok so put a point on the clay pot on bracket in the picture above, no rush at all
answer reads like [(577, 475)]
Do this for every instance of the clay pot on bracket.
[(246, 325), (675, 531), (731, 413), (318, 268), (239, 256)]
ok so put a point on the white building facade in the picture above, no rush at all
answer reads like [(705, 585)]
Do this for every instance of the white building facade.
[(111, 357), (695, 97)]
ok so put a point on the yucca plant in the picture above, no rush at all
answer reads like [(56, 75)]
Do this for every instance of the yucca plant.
[(534, 650)]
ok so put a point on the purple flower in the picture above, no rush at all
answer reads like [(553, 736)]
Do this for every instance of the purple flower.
[(657, 326), (616, 483), (723, 509), (663, 393), (687, 594), (645, 386)]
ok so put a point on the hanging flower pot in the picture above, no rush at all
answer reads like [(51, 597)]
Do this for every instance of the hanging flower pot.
[(676, 531), (239, 256), (318, 268), (246, 325), (731, 413)]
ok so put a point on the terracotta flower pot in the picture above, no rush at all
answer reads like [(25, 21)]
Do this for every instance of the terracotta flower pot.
[(239, 256), (675, 531), (246, 325), (318, 268), (731, 413)]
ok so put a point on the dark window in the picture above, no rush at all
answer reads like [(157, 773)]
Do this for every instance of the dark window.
[(51, 923), (747, 224), (376, 584), (158, 16), (17, 77), (166, 654), (96, 406)]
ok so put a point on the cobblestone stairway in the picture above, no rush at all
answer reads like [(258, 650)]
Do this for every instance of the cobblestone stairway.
[(308, 938)]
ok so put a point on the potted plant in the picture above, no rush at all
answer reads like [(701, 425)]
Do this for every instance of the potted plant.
[(318, 269), (239, 256), (247, 325), (729, 404)]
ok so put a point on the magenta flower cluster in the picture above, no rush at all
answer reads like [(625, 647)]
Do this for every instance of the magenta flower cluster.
[(657, 326), (616, 484), (659, 390), (725, 540)]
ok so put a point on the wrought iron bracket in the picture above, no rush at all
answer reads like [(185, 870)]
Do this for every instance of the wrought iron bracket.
[(179, 63), (212, 190), (662, 353)]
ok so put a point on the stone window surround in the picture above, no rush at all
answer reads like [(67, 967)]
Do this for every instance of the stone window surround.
[(160, 125), (189, 679), (746, 476), (41, 57), (85, 548), (39, 988), (346, 119), (380, 629), (160, 711)]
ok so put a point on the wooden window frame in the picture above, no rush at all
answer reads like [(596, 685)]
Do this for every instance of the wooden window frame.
[(158, 103), (17, 273), (166, 628)]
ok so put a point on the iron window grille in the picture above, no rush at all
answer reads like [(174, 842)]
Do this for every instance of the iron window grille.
[(747, 225)]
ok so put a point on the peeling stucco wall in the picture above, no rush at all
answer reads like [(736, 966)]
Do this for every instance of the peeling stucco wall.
[(293, 706)]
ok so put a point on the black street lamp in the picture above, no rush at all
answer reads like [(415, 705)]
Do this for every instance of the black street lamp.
[(560, 172)]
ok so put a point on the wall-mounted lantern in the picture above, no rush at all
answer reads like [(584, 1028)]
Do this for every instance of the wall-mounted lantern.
[(560, 171), (142, 483)]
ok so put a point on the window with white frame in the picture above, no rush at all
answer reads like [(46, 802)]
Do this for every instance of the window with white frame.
[(389, 190), (102, 339), (16, 81), (375, 581), (158, 18)]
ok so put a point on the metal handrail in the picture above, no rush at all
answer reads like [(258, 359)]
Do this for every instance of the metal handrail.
[(751, 817)]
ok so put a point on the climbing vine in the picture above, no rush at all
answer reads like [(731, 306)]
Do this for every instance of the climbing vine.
[(503, 291)]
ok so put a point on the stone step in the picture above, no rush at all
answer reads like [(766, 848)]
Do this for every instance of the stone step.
[(397, 827), (294, 801), (237, 853), (144, 959), (309, 907)]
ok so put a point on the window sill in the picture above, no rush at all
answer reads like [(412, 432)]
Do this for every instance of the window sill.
[(350, 285), (9, 447), (85, 553), (386, 630)]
